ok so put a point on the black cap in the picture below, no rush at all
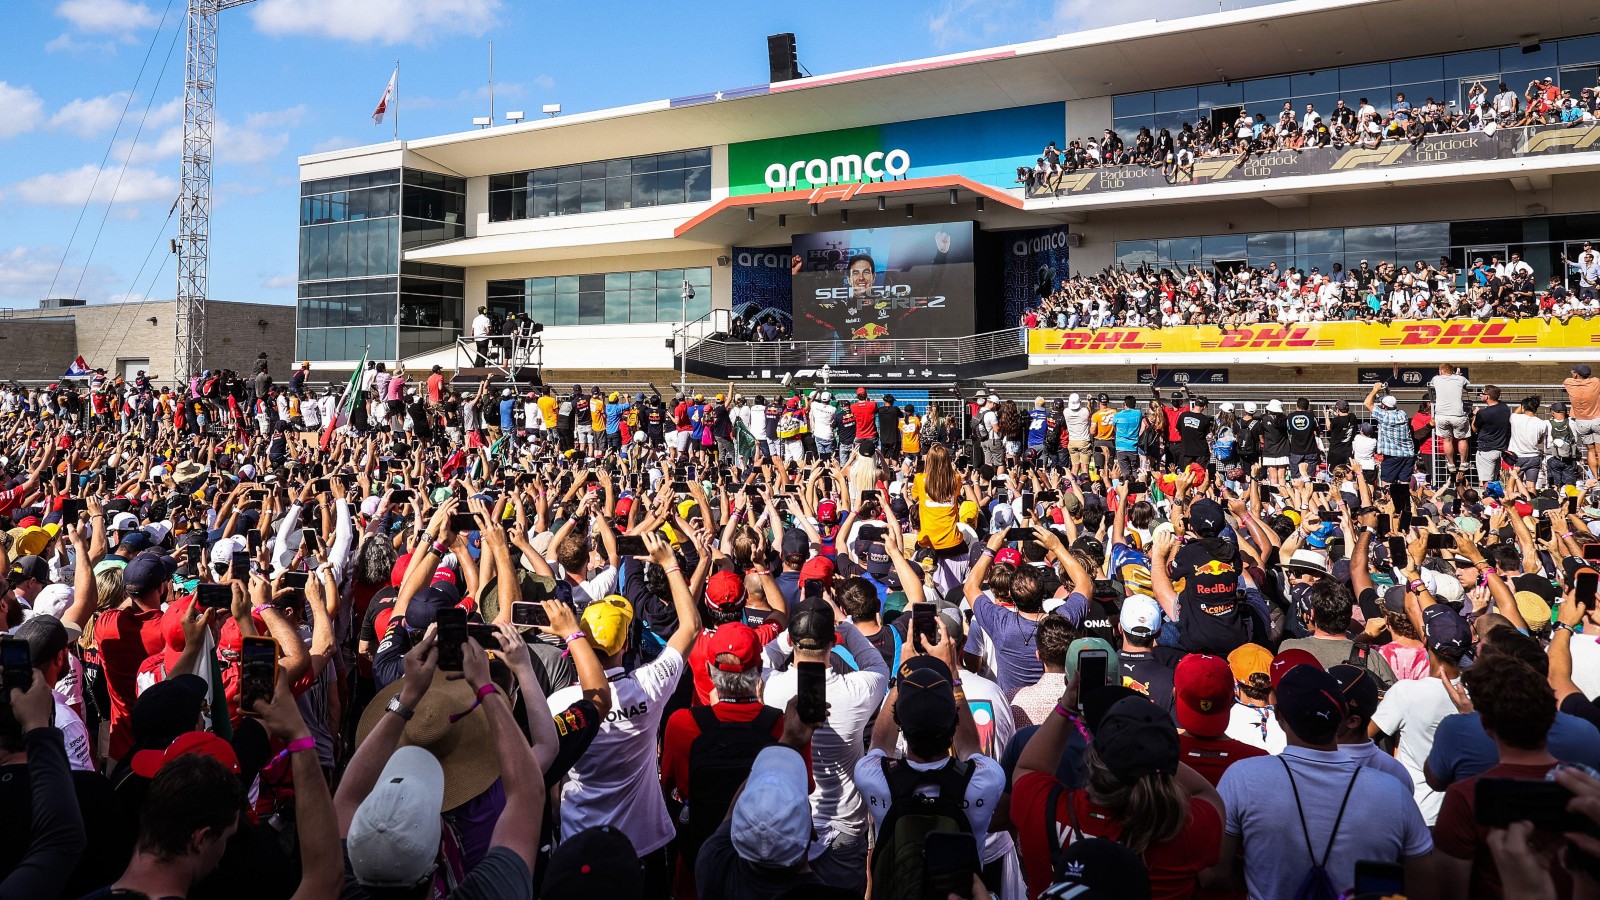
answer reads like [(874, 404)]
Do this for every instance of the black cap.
[(46, 637), (1311, 703), (1100, 869), (1359, 687), (167, 709), (595, 862), (25, 567), (1206, 518), (927, 699), (1136, 738)]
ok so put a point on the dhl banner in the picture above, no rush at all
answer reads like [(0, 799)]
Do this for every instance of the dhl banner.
[(1329, 342)]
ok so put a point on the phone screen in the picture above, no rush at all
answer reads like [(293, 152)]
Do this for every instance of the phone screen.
[(240, 565), (526, 613), (1501, 801), (452, 624), (213, 596), (1385, 524), (16, 665), (811, 692), (923, 624), (1020, 534), (252, 540), (258, 672), (1583, 587), (631, 545), (463, 522), (485, 635), (1591, 551), (1441, 542), (1092, 669), (71, 507), (1397, 551)]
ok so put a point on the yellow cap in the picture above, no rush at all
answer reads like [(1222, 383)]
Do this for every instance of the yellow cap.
[(32, 541), (968, 512), (1248, 659), (606, 622), (719, 397), (687, 507), (614, 396)]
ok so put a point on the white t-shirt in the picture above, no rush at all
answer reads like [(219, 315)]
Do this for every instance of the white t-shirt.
[(836, 746), (1380, 821), (1413, 710), (983, 791), (822, 416), (74, 733), (1529, 434), (1365, 451), (1257, 726), (1077, 423), (1586, 664), (480, 325), (616, 781), (1449, 392)]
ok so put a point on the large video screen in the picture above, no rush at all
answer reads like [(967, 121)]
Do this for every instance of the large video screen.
[(914, 281)]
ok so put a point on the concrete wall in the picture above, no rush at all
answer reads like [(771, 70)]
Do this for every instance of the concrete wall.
[(46, 341)]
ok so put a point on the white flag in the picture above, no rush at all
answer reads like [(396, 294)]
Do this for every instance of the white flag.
[(383, 102)]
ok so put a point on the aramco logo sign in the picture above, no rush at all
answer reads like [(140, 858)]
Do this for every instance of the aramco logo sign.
[(838, 169)]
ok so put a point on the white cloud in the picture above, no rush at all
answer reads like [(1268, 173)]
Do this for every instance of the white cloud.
[(544, 82), (23, 110), (282, 118), (338, 142), (279, 282), (963, 24), (89, 117), (66, 43), (107, 16), (384, 21), (26, 274), (71, 188), (258, 140)]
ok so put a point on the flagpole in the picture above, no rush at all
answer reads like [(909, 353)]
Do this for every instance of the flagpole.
[(397, 100)]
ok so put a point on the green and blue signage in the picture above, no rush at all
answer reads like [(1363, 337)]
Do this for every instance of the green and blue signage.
[(986, 147)]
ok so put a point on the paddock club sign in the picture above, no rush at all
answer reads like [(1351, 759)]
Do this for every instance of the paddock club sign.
[(1506, 143)]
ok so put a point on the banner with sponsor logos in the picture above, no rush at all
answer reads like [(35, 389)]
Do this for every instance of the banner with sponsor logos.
[(762, 284), (1330, 342), (984, 146), (1036, 260), (1433, 150)]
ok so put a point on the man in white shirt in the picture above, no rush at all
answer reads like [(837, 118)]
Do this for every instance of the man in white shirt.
[(823, 413), (1450, 422), (47, 641), (839, 852), (1505, 104), (1413, 709), (1529, 437), (615, 781), (480, 335)]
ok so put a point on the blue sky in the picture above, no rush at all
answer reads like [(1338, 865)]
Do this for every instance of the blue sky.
[(298, 76)]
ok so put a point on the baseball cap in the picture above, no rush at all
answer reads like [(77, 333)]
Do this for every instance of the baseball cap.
[(725, 589), (1206, 518), (1141, 616), (827, 511), (1359, 688), (25, 567), (606, 623), (772, 817), (1135, 738), (796, 543), (45, 635), (1008, 555), (1247, 660), (1202, 693), (595, 862), (861, 392), (1093, 868), (818, 568), (146, 763), (1582, 369), (167, 709), (394, 836), (1310, 702), (1444, 631), (1076, 648), (1390, 401), (734, 639), (125, 521), (222, 551), (1288, 660), (927, 699), (146, 572)]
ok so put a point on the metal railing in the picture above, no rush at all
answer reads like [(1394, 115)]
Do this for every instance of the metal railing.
[(790, 355)]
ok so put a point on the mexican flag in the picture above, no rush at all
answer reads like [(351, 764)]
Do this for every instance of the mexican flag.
[(352, 396)]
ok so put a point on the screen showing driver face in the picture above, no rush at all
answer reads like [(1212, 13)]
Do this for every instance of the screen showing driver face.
[(914, 281)]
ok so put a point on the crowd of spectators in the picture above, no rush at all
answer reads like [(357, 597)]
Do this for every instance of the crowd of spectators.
[(727, 647), (1542, 102), (1382, 292)]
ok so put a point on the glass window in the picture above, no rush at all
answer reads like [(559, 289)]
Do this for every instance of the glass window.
[(698, 278), (544, 201), (619, 193), (1512, 58), (643, 280), (592, 308), (1223, 246), (666, 162), (1225, 94), (1261, 90), (642, 306), (542, 308), (669, 305), (1137, 253), (1177, 99), (1320, 241), (313, 343), (617, 302), (1181, 250), (702, 156), (569, 198), (1472, 63), (1270, 244), (644, 190), (542, 177), (616, 168), (569, 173), (697, 185), (1422, 68), (566, 308), (587, 283), (1519, 80), (1324, 81), (593, 171), (669, 187), (644, 164), (1362, 78), (1579, 50), (1422, 234), (593, 196), (1374, 241), (1140, 104)]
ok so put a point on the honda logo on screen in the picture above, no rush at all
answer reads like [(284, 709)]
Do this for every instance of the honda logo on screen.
[(838, 169)]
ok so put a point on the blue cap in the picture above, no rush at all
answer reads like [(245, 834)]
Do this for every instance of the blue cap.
[(424, 607), (1445, 632), (134, 542), (146, 572)]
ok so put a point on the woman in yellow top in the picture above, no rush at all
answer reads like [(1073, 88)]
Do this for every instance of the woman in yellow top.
[(937, 492), (911, 432)]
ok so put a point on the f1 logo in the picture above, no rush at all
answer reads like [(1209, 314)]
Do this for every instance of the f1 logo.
[(839, 192)]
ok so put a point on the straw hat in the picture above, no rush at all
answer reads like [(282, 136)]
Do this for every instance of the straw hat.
[(465, 749)]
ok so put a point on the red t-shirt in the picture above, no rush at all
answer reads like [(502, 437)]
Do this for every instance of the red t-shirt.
[(700, 657), (1459, 835), (680, 417), (1212, 756), (682, 730), (865, 412), (1175, 866), (435, 387), (126, 638), (1172, 414)]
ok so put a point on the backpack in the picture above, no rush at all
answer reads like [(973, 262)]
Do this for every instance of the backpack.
[(1317, 885), (1224, 445), (719, 761), (1563, 443), (897, 860), (977, 428), (1149, 437)]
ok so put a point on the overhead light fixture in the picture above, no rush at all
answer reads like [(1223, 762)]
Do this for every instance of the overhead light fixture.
[(783, 220), (813, 209), (844, 215), (883, 204), (750, 214), (909, 211), (980, 204), (953, 193), (482, 121), (514, 116)]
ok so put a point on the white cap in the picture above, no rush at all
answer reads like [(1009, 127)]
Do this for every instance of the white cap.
[(223, 550), (505, 392), (1074, 401), (394, 837), (1274, 405), (125, 521), (1389, 401), (1227, 407), (1250, 406), (52, 600), (1141, 615), (772, 818), (369, 506), (158, 531), (994, 398)]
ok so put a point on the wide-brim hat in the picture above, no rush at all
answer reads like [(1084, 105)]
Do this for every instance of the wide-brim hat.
[(465, 748)]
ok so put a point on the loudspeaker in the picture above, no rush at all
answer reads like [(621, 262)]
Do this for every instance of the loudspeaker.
[(782, 63)]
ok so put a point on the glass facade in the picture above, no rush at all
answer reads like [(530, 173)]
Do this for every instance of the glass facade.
[(613, 298), (1540, 240), (1448, 78), (657, 180), (355, 294)]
